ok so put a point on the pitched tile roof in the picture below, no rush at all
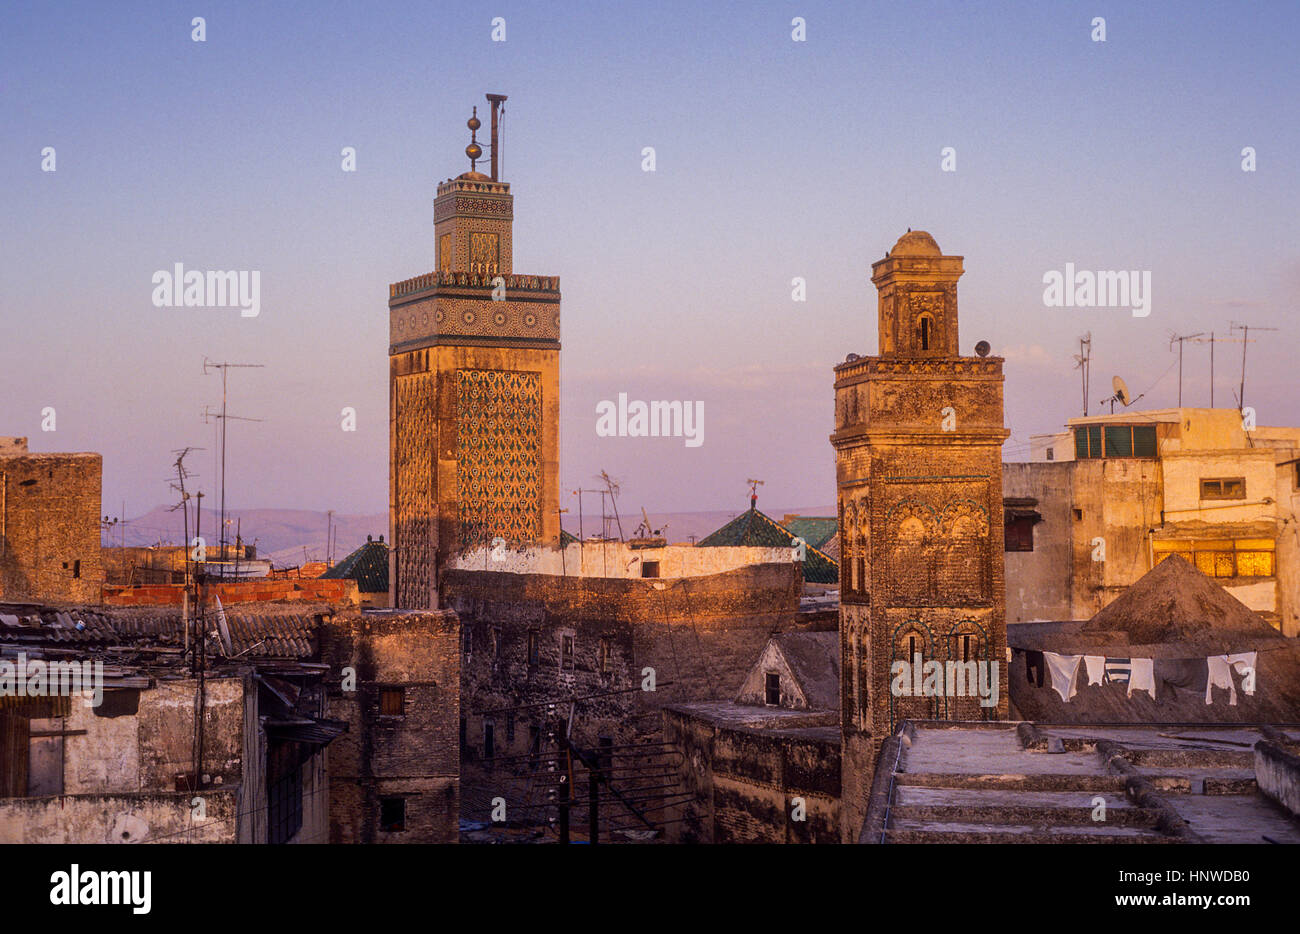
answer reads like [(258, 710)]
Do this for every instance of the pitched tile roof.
[(815, 530), (368, 566), (754, 529), (255, 631)]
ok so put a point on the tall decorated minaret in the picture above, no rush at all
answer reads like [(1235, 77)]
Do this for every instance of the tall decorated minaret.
[(918, 438), (474, 353)]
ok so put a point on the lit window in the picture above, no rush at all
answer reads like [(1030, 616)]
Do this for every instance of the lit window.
[(392, 702)]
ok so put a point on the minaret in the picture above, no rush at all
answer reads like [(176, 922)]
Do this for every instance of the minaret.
[(473, 389), (918, 438)]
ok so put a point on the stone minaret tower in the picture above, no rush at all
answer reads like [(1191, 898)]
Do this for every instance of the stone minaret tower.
[(918, 438), (474, 353)]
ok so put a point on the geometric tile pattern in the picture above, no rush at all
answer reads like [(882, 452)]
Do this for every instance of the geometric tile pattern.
[(415, 490), (499, 461)]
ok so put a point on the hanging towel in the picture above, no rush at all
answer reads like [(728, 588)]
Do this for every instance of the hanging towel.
[(1034, 668), (1188, 673), (1142, 677), (1244, 665), (1064, 670), (1118, 670), (1096, 665), (1219, 675)]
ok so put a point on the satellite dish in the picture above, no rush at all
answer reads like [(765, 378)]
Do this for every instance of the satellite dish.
[(982, 349), (850, 358), (1121, 391)]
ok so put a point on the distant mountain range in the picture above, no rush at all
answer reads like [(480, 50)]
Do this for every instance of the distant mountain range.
[(289, 537)]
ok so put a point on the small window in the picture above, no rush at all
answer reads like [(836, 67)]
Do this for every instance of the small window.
[(1078, 514), (510, 728), (534, 648), (1224, 488), (392, 702), (467, 635), (534, 739), (1051, 454), (772, 689), (566, 653), (604, 656), (924, 331), (965, 648), (392, 815), (1019, 534), (911, 647), (489, 740), (495, 636), (649, 568), (76, 568)]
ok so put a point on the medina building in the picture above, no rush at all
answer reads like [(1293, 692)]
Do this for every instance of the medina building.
[(1111, 497)]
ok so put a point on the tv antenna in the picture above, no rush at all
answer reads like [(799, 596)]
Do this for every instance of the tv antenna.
[(753, 492), (1181, 338), (224, 417), (1245, 330), (611, 490), (1083, 363)]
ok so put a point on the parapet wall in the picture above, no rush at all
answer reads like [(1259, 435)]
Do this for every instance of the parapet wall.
[(333, 592), (618, 560), (1277, 772), (751, 590)]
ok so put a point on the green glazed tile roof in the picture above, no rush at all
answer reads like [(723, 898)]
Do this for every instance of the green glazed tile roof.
[(368, 566), (754, 529), (815, 530)]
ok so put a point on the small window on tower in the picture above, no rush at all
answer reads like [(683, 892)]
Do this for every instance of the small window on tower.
[(444, 253), (925, 331)]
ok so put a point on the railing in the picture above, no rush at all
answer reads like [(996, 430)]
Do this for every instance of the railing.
[(513, 283)]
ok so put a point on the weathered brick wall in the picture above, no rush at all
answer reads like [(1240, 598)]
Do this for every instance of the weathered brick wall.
[(744, 782), (685, 632), (701, 636), (341, 593), (49, 527), (414, 756)]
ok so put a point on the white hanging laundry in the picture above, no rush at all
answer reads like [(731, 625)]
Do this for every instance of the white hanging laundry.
[(1143, 677), (1064, 670), (1244, 663), (1096, 666), (1220, 676)]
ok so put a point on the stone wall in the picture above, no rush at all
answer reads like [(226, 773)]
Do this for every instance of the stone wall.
[(49, 527), (335, 592), (1277, 772), (412, 756), (747, 779)]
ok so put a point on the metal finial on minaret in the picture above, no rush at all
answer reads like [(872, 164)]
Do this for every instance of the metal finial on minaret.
[(473, 150)]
